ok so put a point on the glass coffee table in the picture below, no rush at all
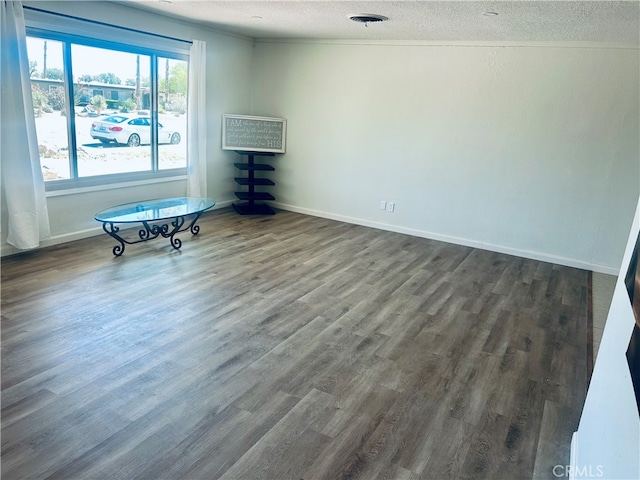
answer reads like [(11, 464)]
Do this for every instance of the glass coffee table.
[(163, 217)]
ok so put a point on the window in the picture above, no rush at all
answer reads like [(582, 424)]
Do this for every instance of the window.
[(106, 111)]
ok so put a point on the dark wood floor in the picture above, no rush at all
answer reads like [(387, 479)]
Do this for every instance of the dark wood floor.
[(288, 347)]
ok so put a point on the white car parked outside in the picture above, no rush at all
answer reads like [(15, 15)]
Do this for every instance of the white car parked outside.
[(132, 130)]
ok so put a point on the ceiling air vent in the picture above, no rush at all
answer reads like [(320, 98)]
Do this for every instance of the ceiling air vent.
[(367, 18)]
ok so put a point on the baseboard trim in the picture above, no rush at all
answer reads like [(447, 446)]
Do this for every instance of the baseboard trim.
[(7, 249), (589, 329), (543, 257), (54, 240)]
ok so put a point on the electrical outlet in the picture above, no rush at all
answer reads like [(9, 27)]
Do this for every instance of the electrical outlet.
[(383, 205), (391, 206)]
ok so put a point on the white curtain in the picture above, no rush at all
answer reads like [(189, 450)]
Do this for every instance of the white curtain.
[(22, 182), (197, 122)]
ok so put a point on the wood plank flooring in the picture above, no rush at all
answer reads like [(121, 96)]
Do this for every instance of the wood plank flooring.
[(288, 347)]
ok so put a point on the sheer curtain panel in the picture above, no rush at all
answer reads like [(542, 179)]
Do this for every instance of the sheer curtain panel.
[(22, 182), (197, 122)]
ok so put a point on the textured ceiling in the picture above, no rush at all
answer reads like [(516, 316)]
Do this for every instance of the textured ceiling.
[(537, 21)]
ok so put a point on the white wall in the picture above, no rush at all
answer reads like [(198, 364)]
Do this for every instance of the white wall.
[(530, 150), (228, 90), (608, 437), (525, 149)]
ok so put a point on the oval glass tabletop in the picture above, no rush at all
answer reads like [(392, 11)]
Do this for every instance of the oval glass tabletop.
[(154, 210)]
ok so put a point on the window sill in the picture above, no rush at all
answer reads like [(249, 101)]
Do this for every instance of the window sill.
[(73, 190)]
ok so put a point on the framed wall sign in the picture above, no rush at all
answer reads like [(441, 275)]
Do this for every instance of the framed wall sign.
[(254, 134)]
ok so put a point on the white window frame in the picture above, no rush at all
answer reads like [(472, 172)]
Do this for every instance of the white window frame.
[(72, 30)]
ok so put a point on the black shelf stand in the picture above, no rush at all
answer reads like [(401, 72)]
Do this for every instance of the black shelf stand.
[(250, 196)]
